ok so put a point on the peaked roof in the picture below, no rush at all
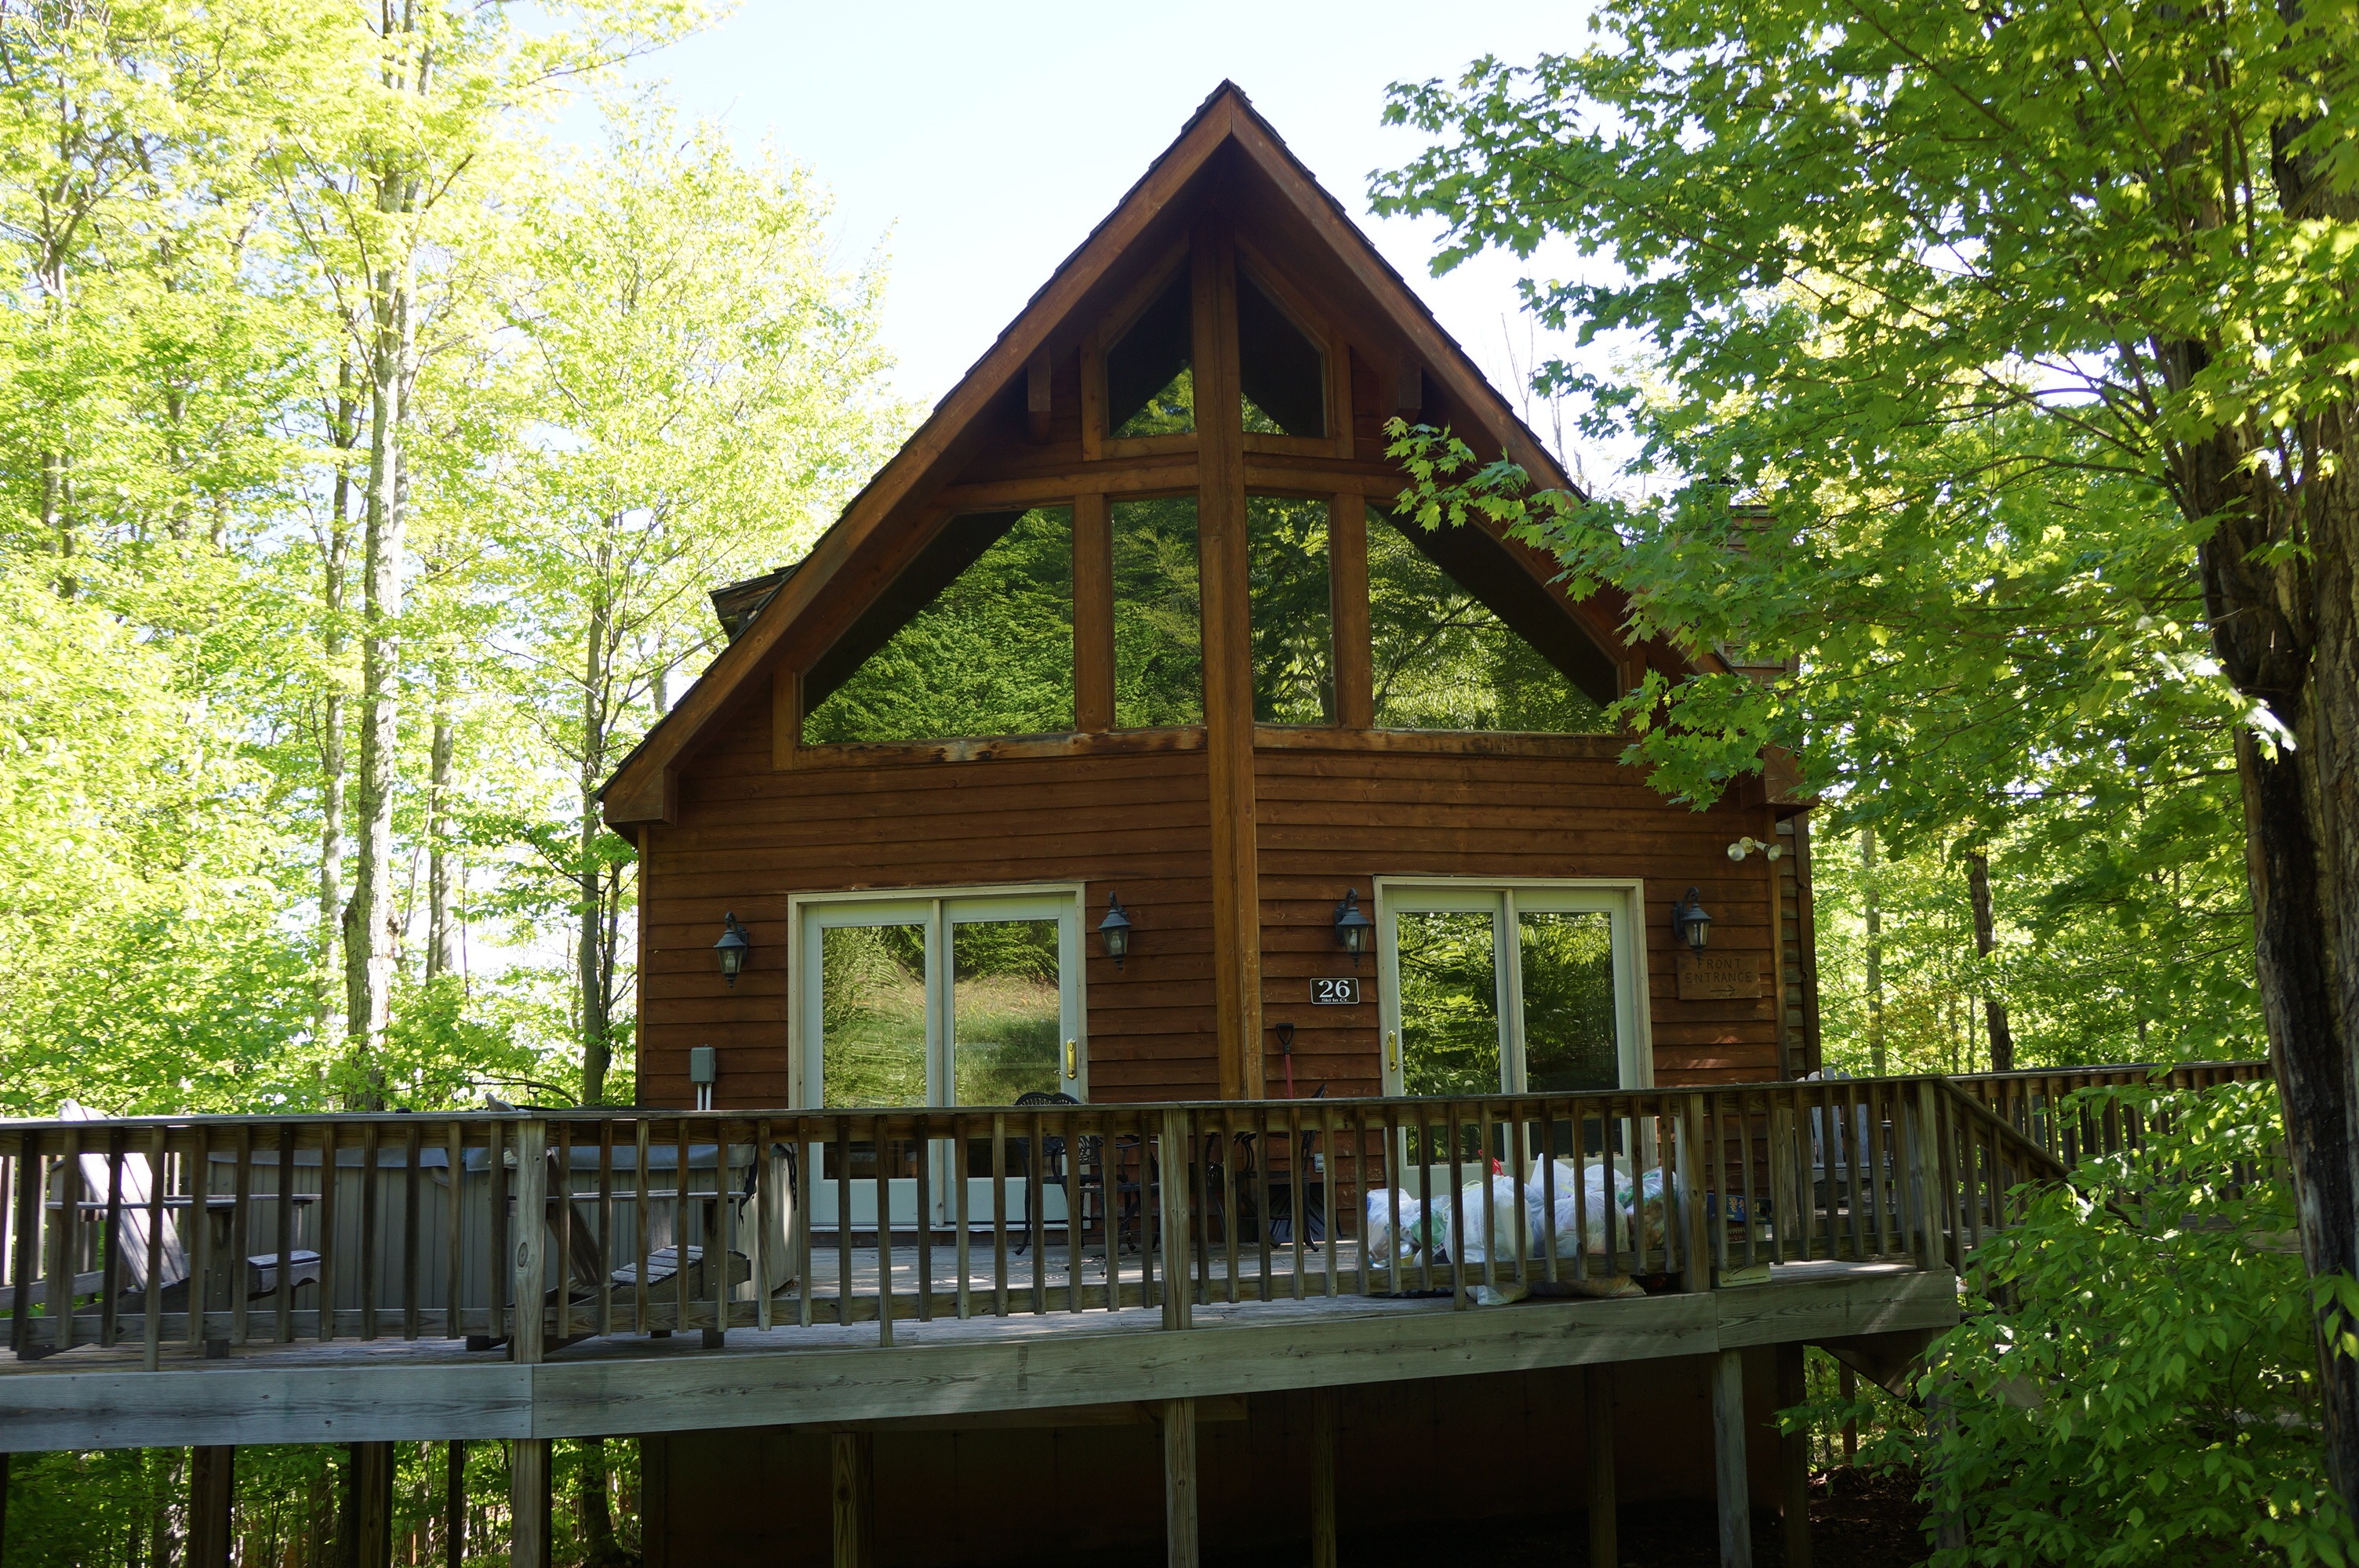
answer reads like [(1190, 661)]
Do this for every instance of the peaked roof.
[(642, 787)]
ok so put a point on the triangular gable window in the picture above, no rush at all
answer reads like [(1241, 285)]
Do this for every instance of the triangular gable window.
[(1463, 639), (1149, 375), (976, 638), (1282, 373)]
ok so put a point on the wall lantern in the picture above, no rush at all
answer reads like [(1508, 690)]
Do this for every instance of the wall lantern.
[(1353, 929), (731, 949), (1688, 919), (1115, 929)]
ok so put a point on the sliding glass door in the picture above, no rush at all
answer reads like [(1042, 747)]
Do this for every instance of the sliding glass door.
[(942, 1000)]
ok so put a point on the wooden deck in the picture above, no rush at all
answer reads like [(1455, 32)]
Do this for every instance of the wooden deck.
[(830, 1375)]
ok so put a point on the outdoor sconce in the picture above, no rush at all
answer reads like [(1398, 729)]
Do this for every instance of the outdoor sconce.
[(1688, 919), (1745, 847), (1116, 931), (731, 949), (1352, 928)]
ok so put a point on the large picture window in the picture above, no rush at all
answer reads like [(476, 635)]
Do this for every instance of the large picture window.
[(1460, 639), (1149, 372), (975, 639), (1293, 622), (1159, 639), (1282, 374)]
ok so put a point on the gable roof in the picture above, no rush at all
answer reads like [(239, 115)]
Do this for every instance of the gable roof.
[(642, 788)]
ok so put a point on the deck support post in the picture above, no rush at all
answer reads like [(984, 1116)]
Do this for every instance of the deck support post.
[(1322, 1477), (454, 1503), (1179, 1484), (526, 1330), (854, 1491), (213, 1499), (1728, 1458), (1605, 1516), (368, 1505), (528, 1502), (1793, 1457)]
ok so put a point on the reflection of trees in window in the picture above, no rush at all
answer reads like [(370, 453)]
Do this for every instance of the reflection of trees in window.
[(1449, 1002), (1150, 388), (1293, 635), (1566, 957), (1005, 1009), (872, 1015), (1442, 659), (1158, 647), (989, 653), (1280, 370)]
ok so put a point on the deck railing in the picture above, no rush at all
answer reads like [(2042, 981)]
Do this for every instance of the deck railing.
[(2035, 1102), (531, 1230)]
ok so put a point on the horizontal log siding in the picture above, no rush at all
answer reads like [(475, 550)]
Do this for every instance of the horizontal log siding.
[(748, 837), (1329, 819)]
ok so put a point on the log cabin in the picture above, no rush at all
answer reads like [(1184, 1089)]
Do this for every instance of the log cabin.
[(1166, 1023)]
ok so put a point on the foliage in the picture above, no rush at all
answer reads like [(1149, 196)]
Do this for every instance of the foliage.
[(2140, 1385), (991, 655), (1158, 649), (630, 375)]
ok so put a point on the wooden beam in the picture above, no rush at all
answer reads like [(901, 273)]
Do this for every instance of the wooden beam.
[(1092, 614), (531, 1234), (1180, 1485), (1323, 1478), (785, 716), (1228, 665), (1728, 1459), (212, 1501), (1794, 1458), (454, 1503), (854, 1494), (1347, 597), (368, 1473), (770, 1383), (529, 1503), (1036, 396), (1178, 1281), (1605, 1505)]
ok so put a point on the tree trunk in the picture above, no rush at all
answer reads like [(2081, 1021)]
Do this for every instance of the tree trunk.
[(2002, 1038), (442, 927), (1875, 952), (335, 561), (590, 954), (368, 948), (596, 1511)]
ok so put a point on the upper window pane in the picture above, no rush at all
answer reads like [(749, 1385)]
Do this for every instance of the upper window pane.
[(1283, 375), (1445, 653), (1159, 643), (976, 638), (1150, 388), (1293, 631)]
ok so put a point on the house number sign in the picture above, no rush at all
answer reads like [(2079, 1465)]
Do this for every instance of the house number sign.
[(1341, 992)]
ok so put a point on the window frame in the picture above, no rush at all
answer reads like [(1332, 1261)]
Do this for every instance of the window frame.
[(1334, 360)]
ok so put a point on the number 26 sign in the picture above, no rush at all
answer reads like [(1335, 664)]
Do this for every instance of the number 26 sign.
[(1341, 992)]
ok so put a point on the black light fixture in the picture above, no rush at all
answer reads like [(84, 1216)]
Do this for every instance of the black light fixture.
[(1353, 929), (731, 949), (1115, 929), (1689, 921)]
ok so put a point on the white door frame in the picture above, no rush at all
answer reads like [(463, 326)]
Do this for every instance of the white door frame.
[(1622, 899)]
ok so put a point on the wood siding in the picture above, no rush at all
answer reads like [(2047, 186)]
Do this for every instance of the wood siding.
[(749, 835)]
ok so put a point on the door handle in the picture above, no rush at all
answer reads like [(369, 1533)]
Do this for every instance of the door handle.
[(1392, 1050), (1072, 1059)]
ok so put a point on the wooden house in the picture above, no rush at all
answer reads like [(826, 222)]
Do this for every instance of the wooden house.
[(1131, 623), (1164, 1020)]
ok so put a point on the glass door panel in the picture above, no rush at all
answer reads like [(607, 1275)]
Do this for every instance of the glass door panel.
[(1567, 972), (936, 1002), (1449, 992)]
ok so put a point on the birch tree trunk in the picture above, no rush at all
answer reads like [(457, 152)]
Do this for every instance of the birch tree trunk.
[(335, 562), (442, 925), (592, 956), (368, 946)]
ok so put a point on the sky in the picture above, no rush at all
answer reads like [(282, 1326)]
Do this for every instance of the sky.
[(978, 144)]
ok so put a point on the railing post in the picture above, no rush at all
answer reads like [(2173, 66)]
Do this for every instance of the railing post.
[(530, 1239), (1925, 1173), (1695, 1233), (1171, 1181)]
